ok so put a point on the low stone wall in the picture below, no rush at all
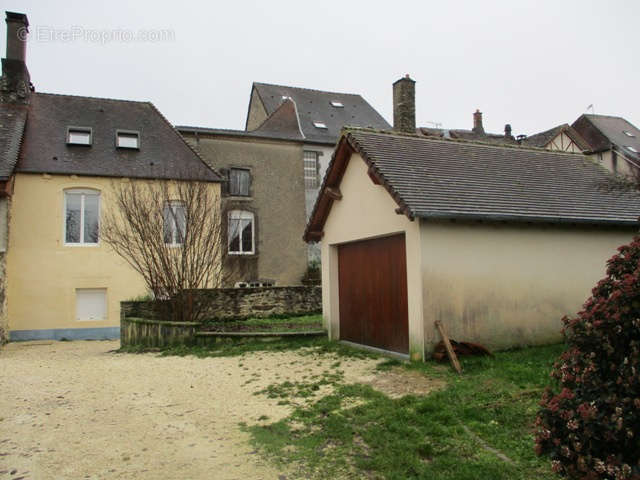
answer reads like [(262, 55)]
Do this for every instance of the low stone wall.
[(242, 303), (155, 333)]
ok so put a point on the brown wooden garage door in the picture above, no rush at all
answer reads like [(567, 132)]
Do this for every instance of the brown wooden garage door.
[(372, 278)]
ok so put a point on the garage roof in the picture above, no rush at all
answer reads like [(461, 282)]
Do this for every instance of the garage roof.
[(453, 179)]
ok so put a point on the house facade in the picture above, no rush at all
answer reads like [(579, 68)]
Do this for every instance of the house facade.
[(318, 117), (63, 281), (262, 203)]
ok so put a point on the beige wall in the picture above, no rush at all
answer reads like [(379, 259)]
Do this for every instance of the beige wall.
[(44, 274), (257, 113), (366, 211), (621, 165), (507, 285), (563, 143), (4, 222), (276, 199)]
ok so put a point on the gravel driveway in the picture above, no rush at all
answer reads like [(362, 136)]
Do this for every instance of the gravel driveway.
[(76, 410)]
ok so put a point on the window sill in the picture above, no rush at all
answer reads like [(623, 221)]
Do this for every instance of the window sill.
[(242, 254), (82, 245), (239, 198)]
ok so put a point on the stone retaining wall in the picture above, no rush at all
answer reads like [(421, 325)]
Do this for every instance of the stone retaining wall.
[(155, 333)]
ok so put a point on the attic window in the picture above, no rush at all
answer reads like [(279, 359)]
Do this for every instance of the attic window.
[(631, 149), (337, 104), (127, 139), (79, 136), (628, 134), (319, 124)]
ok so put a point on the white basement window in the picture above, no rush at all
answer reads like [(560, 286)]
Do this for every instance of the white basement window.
[(127, 139), (319, 124), (337, 104), (79, 136), (91, 304)]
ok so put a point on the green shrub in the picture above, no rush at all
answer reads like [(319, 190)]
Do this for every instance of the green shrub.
[(589, 424)]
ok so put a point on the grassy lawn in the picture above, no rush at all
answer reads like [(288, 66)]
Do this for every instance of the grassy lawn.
[(286, 324), (454, 433)]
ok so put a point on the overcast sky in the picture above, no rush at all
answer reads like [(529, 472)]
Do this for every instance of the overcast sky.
[(533, 64)]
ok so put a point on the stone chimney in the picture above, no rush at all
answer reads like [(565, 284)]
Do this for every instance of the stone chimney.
[(507, 131), (15, 83), (404, 105), (477, 122)]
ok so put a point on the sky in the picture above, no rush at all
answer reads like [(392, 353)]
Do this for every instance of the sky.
[(533, 64)]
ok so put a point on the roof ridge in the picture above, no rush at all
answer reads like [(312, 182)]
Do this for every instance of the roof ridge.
[(307, 89), (606, 116), (91, 98), (347, 130)]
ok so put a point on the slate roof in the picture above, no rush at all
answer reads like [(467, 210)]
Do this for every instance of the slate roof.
[(12, 122), (163, 152), (432, 178), (543, 138), (462, 134), (315, 106), (601, 131)]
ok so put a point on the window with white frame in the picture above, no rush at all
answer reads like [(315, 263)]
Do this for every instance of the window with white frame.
[(241, 234), (310, 169), (82, 217), (175, 222), (127, 139), (239, 179), (79, 136)]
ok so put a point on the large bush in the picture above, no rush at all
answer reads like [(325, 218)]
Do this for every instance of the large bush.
[(589, 424)]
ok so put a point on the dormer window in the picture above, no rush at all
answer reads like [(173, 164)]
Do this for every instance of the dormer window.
[(628, 134), (319, 124), (79, 136), (337, 104), (127, 139)]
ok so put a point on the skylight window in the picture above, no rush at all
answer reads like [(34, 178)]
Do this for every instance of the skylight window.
[(319, 124), (79, 136), (336, 104), (631, 148), (127, 139), (628, 134)]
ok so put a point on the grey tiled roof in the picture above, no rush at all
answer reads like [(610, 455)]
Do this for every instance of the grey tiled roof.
[(611, 131), (456, 179), (237, 133), (12, 123), (315, 106), (163, 152), (543, 138), (461, 134)]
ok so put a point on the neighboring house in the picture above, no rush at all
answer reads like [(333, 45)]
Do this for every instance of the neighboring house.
[(497, 242), (64, 282), (614, 141), (562, 138), (318, 117), (262, 198)]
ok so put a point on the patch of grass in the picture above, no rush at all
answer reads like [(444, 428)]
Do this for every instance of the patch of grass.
[(289, 389), (360, 432), (304, 346)]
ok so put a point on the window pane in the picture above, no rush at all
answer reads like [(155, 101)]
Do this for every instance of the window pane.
[(239, 182), (91, 218), (167, 229), (180, 223), (310, 169), (72, 217), (128, 140), (234, 235), (247, 236), (80, 137)]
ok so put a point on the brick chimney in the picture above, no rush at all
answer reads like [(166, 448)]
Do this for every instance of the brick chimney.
[(15, 83), (507, 131), (404, 105), (477, 122)]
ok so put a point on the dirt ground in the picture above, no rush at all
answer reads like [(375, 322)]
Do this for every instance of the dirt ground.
[(77, 410)]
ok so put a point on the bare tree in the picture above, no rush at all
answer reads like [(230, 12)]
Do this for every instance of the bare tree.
[(169, 232)]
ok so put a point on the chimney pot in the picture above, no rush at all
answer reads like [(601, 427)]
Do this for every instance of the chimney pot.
[(477, 122), (507, 131), (404, 105)]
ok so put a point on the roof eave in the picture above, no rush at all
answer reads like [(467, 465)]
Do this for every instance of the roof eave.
[(526, 219)]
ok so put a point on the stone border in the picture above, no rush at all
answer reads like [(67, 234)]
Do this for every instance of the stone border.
[(155, 333), (209, 338)]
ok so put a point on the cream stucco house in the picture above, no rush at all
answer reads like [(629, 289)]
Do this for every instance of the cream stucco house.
[(497, 242), (62, 280)]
